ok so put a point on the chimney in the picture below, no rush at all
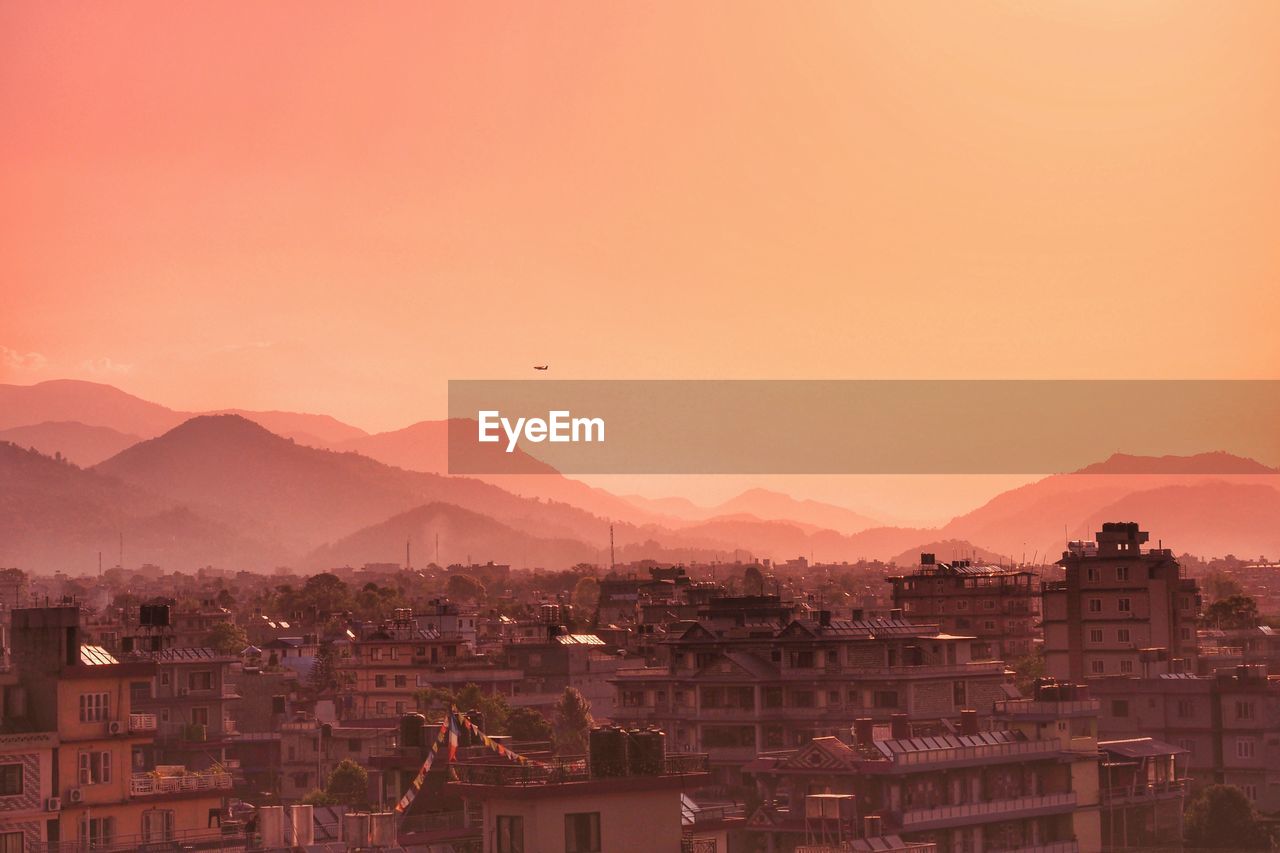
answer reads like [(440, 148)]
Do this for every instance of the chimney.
[(863, 731), (873, 827), (968, 721), (899, 727)]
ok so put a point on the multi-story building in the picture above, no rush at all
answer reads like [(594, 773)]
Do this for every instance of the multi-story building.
[(310, 750), (193, 700), (560, 659), (105, 794), (1116, 602), (1031, 782), (735, 689), (27, 788), (567, 807), (1227, 724), (1000, 606)]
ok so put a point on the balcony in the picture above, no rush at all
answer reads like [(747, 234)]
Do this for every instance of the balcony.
[(142, 722), (1019, 750), (1144, 792), (1050, 847), (566, 770), (1054, 709), (942, 817), (166, 781)]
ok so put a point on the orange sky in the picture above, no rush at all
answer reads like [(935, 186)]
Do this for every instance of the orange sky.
[(337, 207)]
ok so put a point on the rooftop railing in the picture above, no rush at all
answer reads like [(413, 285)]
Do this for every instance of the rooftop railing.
[(567, 769), (155, 784)]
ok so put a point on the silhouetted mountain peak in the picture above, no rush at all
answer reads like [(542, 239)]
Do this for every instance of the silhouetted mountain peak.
[(1217, 462)]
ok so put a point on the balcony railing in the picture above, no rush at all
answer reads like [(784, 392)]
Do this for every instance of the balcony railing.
[(228, 838), (1016, 749), (565, 770), (1144, 791), (919, 819), (1051, 847), (154, 784), (1019, 707), (142, 722)]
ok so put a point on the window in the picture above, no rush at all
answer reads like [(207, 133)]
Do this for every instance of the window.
[(1095, 605), (582, 832), (1244, 710), (884, 699), (1185, 634), (98, 831), (200, 716), (1245, 747), (962, 604), (510, 834), (1122, 573), (1122, 635), (95, 768), (379, 681), (139, 690), (1091, 573), (1095, 635), (959, 695), (10, 780), (1186, 708), (402, 681), (1119, 707), (12, 842), (1123, 605), (202, 680), (1126, 666), (1096, 667), (1251, 791), (95, 707), (157, 825)]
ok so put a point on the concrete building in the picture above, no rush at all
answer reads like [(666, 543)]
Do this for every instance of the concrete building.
[(735, 688), (1120, 610), (1226, 724), (104, 793), (999, 606), (1028, 783)]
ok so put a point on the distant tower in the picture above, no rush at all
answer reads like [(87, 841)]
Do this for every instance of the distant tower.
[(612, 562), (408, 563)]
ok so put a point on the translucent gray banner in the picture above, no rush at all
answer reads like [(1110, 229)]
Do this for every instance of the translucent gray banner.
[(854, 426)]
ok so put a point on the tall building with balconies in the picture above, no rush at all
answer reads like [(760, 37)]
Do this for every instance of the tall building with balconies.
[(734, 690), (1120, 610), (1000, 606)]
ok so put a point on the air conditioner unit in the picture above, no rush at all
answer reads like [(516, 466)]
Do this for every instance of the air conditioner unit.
[(115, 727), (75, 795), (53, 804)]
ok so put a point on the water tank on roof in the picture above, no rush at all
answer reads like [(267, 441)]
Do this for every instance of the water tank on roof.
[(271, 826), (355, 830), (301, 825), (411, 729), (607, 752), (646, 752), (382, 829)]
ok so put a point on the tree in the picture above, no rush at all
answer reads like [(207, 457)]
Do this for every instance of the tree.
[(573, 722), (586, 597), (465, 587), (1234, 611), (226, 599), (1221, 818), (348, 784), (1027, 669), (527, 724), (492, 706), (752, 580), (228, 638), (324, 673)]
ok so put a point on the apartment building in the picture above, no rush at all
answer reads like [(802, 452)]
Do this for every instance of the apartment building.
[(1116, 602), (310, 750), (27, 788), (735, 688), (1000, 606), (1030, 782), (1228, 724), (103, 792)]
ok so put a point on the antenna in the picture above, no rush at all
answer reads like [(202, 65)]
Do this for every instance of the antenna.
[(437, 549), (612, 562), (408, 563), (122, 549)]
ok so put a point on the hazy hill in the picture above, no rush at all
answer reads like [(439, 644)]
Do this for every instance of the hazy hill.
[(95, 404), (82, 444), (54, 515), (947, 550)]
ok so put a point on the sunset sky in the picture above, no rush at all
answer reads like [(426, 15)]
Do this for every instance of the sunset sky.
[(337, 207)]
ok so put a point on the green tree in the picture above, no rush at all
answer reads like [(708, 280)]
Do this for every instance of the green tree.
[(527, 724), (586, 597), (572, 722), (1222, 818), (348, 784), (465, 587), (1027, 669), (1234, 611), (752, 580), (492, 706), (227, 638), (324, 593), (324, 673)]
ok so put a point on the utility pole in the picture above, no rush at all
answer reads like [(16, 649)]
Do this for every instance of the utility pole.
[(612, 562)]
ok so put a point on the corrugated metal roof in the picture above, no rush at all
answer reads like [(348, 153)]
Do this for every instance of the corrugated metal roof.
[(579, 640), (940, 742)]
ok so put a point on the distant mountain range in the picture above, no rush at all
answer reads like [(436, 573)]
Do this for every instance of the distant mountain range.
[(260, 489)]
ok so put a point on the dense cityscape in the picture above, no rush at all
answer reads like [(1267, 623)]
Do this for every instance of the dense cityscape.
[(1119, 698)]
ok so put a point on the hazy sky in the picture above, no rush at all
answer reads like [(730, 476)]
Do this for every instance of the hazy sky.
[(337, 207)]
